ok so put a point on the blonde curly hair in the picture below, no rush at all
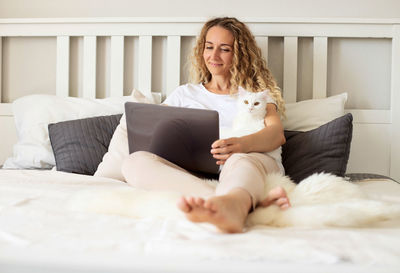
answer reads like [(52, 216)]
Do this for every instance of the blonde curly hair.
[(249, 69)]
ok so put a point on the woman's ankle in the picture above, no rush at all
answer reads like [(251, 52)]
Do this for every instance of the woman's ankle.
[(243, 197)]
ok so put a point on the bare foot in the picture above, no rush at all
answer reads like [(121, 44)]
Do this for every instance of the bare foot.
[(227, 212), (278, 197)]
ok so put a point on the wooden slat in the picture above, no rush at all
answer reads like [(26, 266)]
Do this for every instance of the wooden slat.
[(320, 67), (1, 65), (157, 96), (173, 63), (62, 77), (290, 69), (9, 137), (6, 109), (262, 43), (117, 66), (395, 107), (189, 27), (145, 59), (89, 67), (316, 30)]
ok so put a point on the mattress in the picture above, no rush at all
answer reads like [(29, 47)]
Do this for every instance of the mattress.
[(39, 232)]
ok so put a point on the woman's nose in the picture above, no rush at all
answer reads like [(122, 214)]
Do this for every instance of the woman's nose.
[(215, 53)]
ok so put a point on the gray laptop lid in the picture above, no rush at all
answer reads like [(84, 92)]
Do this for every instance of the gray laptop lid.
[(180, 135)]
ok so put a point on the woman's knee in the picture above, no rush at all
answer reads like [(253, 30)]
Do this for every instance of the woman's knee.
[(243, 160), (256, 161), (136, 162), (238, 158), (137, 157)]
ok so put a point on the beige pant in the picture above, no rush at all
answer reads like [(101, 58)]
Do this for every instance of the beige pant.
[(246, 171)]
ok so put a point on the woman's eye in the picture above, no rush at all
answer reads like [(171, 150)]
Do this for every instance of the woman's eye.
[(246, 102), (209, 47), (225, 49), (256, 103)]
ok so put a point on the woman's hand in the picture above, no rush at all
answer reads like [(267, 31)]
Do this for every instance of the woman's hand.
[(265, 140), (222, 149)]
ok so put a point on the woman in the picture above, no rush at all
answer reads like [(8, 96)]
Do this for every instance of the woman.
[(225, 59)]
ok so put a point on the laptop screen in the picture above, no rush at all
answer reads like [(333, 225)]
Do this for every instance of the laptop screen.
[(183, 136)]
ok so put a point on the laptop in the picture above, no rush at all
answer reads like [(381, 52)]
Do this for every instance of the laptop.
[(183, 136)]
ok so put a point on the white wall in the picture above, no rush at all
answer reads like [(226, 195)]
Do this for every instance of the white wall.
[(202, 8)]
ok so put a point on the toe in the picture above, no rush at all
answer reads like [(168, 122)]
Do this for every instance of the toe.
[(281, 201), (199, 201), (191, 201), (285, 206), (183, 205)]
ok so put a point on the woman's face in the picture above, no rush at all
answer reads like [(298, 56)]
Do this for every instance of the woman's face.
[(218, 51)]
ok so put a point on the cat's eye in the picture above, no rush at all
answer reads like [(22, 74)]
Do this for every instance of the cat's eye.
[(256, 103), (246, 102)]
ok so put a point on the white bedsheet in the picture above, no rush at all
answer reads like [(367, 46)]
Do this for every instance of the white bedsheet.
[(38, 232)]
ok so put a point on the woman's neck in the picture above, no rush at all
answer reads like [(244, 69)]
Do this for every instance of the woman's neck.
[(218, 85)]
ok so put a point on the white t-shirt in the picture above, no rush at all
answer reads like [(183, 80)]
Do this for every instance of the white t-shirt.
[(197, 96)]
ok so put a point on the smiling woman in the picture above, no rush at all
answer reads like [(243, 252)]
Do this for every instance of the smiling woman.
[(225, 59)]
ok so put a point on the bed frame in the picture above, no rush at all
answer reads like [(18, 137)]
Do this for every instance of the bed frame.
[(375, 147)]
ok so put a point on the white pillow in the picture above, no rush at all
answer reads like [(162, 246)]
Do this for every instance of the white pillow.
[(301, 116), (118, 149), (310, 114), (33, 114)]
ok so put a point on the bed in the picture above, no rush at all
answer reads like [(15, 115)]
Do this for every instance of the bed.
[(97, 64)]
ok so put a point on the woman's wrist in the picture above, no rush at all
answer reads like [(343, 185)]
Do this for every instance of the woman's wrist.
[(246, 143)]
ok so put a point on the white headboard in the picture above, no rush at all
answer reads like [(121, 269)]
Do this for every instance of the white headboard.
[(375, 148)]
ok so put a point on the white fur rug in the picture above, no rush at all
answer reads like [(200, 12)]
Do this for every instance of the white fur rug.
[(320, 200)]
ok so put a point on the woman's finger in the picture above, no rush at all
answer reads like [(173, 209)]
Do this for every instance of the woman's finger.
[(233, 148), (221, 162), (223, 150), (218, 143), (224, 142), (221, 156)]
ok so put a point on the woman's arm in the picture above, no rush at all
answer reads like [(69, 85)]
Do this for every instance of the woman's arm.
[(265, 140), (270, 137)]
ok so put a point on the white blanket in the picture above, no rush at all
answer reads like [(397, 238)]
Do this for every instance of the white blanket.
[(38, 228)]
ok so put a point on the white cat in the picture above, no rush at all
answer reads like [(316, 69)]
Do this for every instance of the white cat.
[(252, 109)]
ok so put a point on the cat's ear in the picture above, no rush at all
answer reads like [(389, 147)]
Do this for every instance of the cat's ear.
[(263, 94)]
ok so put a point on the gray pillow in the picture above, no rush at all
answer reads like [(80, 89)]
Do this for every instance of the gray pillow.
[(324, 149), (79, 145)]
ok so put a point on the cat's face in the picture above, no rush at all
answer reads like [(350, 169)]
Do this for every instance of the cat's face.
[(252, 102)]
